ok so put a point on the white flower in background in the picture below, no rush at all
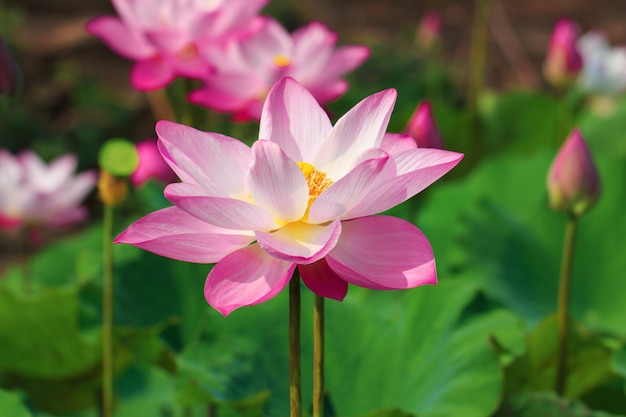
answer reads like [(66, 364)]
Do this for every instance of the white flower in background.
[(604, 67)]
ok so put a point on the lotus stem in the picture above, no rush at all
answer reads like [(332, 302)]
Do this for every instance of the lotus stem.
[(318, 356), (295, 379), (107, 313)]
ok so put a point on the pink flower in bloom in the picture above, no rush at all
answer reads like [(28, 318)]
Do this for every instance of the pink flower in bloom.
[(163, 36), (246, 69), (423, 129), (604, 67), (151, 165), (302, 196), (573, 182), (34, 193), (563, 61)]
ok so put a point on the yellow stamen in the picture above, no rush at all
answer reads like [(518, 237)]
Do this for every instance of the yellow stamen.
[(317, 182), (282, 61)]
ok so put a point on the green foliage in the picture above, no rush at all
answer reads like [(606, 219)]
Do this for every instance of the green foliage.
[(544, 404)]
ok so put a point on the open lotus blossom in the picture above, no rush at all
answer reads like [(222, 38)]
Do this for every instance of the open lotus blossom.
[(163, 37), (35, 193), (563, 61), (604, 67), (151, 165), (423, 129), (304, 195), (246, 69)]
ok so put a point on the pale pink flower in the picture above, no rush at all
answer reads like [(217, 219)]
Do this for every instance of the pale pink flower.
[(422, 127), (563, 61), (35, 193), (246, 69), (163, 37), (573, 182), (151, 165), (604, 67), (304, 195)]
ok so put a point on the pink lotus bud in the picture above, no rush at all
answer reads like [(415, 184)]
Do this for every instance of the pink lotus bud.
[(429, 31), (563, 61), (573, 182), (9, 72), (151, 165), (422, 127)]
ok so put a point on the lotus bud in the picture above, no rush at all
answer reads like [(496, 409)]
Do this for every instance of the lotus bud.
[(428, 33), (423, 129), (563, 61), (151, 165), (573, 182)]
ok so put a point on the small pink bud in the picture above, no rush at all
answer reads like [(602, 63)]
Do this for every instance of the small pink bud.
[(563, 61), (422, 127), (151, 165), (573, 182), (429, 31)]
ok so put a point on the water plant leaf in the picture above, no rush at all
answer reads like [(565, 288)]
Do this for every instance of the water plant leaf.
[(546, 404), (11, 404)]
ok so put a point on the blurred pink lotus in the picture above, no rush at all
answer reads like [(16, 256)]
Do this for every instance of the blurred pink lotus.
[(604, 67), (429, 31), (422, 127), (164, 37), (151, 165), (35, 193), (563, 61), (246, 69)]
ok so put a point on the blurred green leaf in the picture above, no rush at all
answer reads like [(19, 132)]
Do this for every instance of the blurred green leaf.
[(543, 404), (11, 405)]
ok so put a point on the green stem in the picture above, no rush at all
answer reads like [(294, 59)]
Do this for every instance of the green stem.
[(563, 303), (26, 277), (318, 357), (107, 313), (295, 379), (564, 118)]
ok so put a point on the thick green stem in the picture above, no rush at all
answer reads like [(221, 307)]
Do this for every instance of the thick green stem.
[(318, 357), (563, 303), (295, 379), (107, 313)]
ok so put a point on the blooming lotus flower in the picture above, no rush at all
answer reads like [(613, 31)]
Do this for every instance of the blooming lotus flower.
[(35, 193), (163, 36), (246, 69), (429, 31), (604, 68), (563, 61), (423, 129), (303, 196), (573, 182), (151, 165)]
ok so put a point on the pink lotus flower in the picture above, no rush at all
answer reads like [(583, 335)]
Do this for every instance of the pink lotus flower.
[(563, 61), (34, 193), (604, 67), (573, 182), (151, 165), (303, 195), (246, 69), (423, 129), (164, 36)]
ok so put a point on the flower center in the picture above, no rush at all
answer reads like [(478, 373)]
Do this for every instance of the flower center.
[(317, 182), (281, 61)]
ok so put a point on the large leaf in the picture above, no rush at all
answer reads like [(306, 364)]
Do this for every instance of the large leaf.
[(544, 404), (11, 405)]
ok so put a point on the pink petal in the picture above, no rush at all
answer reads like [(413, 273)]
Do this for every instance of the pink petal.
[(167, 40), (394, 143), (342, 61), (294, 120), (228, 92), (416, 170), (151, 165), (346, 193), (152, 74), (113, 32), (300, 242), (328, 91), (383, 252), (228, 213), (276, 183), (246, 277), (69, 217), (216, 162), (175, 234), (323, 281), (360, 129)]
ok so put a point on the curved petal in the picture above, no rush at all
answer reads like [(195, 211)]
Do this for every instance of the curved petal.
[(300, 242), (343, 195), (417, 169), (117, 36), (294, 120), (152, 74), (360, 129), (227, 92), (246, 277), (228, 213), (216, 162), (173, 233), (395, 143), (323, 281), (276, 183), (383, 252)]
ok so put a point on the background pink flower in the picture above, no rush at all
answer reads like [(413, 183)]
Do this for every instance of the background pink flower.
[(304, 195), (246, 69), (151, 165)]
